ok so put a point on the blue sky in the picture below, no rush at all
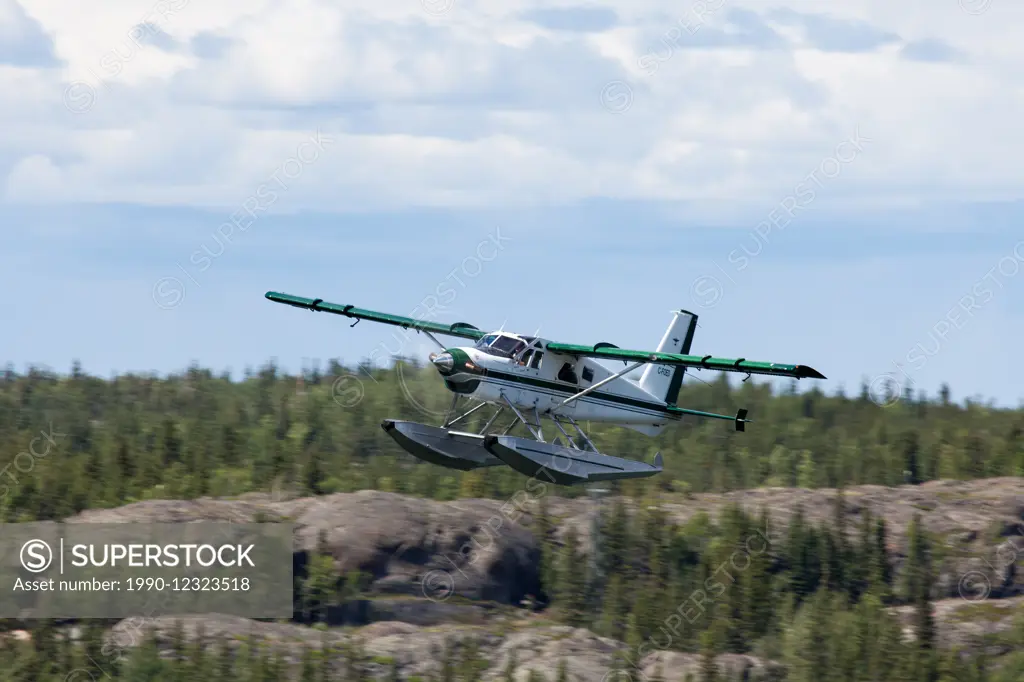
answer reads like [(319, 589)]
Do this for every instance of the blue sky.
[(840, 190)]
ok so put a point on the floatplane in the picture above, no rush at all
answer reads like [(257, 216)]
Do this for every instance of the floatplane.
[(535, 378)]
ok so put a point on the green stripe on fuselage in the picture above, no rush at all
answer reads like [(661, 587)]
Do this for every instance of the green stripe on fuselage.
[(567, 389)]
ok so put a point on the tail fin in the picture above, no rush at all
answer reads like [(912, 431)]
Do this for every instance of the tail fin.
[(663, 381)]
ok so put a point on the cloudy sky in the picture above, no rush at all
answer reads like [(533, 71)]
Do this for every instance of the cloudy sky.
[(837, 189)]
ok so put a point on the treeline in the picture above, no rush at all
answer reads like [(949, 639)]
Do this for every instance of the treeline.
[(55, 654), (71, 442)]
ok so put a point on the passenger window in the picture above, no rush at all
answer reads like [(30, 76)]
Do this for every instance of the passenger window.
[(588, 374), (525, 360), (567, 374), (535, 364)]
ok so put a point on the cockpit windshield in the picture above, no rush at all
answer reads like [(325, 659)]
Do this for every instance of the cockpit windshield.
[(500, 345)]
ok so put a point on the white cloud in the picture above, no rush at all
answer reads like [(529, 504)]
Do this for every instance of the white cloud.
[(22, 39), (480, 106)]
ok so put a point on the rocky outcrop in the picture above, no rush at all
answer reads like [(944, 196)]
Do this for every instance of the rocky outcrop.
[(964, 624), (484, 549), (408, 545)]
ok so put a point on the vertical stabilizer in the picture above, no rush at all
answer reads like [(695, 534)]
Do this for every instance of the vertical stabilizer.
[(663, 381)]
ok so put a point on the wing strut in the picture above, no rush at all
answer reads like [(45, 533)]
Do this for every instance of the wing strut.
[(431, 336)]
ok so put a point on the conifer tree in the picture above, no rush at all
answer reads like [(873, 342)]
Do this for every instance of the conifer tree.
[(549, 577), (612, 623), (840, 544), (756, 585), (224, 668), (572, 591), (326, 659), (708, 665), (918, 583), (807, 642), (796, 554), (911, 463), (178, 652), (41, 663), (145, 664), (615, 540), (307, 673), (563, 671), (65, 652), (471, 664), (197, 654), (861, 557), (881, 570), (262, 665), (447, 671), (509, 674)]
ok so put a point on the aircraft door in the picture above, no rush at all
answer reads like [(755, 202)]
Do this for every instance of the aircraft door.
[(569, 382), (527, 366), (513, 387)]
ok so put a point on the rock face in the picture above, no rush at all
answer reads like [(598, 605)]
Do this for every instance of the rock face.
[(484, 550), (408, 545), (969, 624), (673, 665)]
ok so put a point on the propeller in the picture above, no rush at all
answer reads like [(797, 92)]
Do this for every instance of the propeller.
[(428, 405)]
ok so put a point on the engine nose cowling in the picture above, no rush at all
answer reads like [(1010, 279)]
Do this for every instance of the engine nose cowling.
[(443, 361)]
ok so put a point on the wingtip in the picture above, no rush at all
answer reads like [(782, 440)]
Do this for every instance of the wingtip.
[(805, 372)]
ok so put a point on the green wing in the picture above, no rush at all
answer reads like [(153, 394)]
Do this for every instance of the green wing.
[(741, 365), (460, 329)]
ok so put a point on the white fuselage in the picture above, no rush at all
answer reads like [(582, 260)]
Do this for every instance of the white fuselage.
[(547, 381)]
